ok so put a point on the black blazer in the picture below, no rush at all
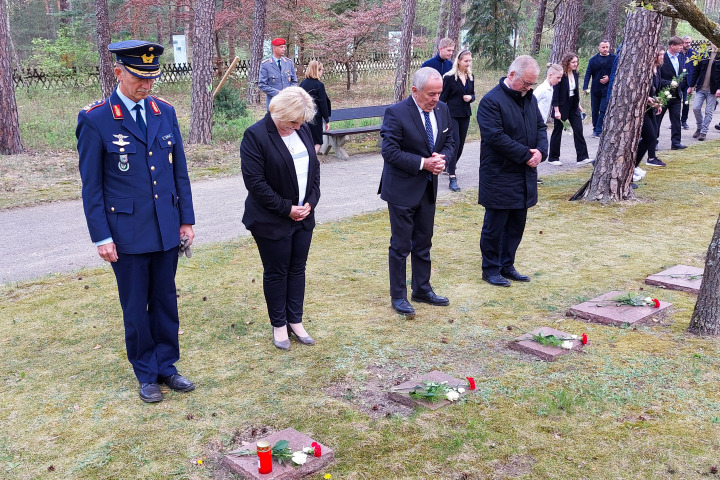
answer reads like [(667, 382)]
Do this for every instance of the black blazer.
[(404, 144), (452, 94), (667, 73), (316, 89), (269, 175), (561, 96)]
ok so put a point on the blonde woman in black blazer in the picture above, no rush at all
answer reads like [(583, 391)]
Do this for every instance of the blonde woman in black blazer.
[(458, 93), (282, 175), (566, 106)]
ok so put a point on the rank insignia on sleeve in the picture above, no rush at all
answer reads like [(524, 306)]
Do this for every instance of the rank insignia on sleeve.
[(117, 112)]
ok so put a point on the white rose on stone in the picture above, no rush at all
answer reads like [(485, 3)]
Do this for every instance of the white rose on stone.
[(299, 458), (567, 345), (452, 395), (461, 390)]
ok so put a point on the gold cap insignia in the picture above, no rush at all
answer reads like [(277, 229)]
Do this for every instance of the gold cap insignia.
[(151, 49), (147, 58)]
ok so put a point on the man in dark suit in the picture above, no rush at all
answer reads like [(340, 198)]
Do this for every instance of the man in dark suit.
[(514, 142), (598, 70), (671, 69), (416, 139), (138, 205)]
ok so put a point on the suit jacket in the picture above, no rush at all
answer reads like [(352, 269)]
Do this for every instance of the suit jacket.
[(404, 144), (273, 79), (598, 67), (269, 175), (667, 72), (452, 94), (561, 96), (135, 189)]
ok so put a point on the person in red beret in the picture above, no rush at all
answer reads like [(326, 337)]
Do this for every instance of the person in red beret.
[(276, 72)]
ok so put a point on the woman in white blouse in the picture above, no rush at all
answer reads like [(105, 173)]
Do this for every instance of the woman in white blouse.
[(282, 175), (544, 92)]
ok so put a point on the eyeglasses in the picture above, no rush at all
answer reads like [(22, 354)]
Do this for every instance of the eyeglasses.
[(528, 84)]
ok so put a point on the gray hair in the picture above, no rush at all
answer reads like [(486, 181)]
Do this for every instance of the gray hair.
[(422, 76), (292, 104), (687, 37), (522, 64)]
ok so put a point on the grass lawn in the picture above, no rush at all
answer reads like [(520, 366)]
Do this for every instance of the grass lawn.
[(639, 403)]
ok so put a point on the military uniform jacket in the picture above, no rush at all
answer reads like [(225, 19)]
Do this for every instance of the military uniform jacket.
[(135, 190), (272, 79)]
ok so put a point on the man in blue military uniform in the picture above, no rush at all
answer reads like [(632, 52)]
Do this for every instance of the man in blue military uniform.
[(276, 72), (138, 205)]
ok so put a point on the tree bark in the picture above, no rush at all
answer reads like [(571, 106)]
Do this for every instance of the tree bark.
[(442, 24), (202, 79), (615, 161), (539, 24), (705, 319), (454, 22), (566, 29), (107, 76), (403, 64), (673, 26), (10, 143), (611, 23), (256, 51)]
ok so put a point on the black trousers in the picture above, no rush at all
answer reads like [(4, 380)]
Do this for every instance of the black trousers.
[(146, 287), (674, 108), (411, 231), (459, 133), (502, 232), (580, 146), (648, 136), (284, 263), (595, 101)]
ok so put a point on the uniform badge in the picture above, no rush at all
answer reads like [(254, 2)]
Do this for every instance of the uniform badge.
[(123, 164), (121, 140), (170, 157)]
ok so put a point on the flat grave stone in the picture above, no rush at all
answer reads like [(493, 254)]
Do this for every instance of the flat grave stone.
[(247, 466), (526, 344), (400, 393), (679, 277), (603, 310)]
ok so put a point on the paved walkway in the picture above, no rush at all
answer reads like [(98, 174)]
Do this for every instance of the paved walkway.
[(53, 238)]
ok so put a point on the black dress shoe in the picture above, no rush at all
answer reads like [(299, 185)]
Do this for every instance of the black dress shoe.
[(402, 306), (454, 185), (513, 274), (497, 280), (431, 298), (178, 383), (685, 126), (150, 393), (717, 127), (679, 146)]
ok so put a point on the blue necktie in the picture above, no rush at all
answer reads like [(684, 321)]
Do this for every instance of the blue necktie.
[(429, 132), (139, 120), (279, 66)]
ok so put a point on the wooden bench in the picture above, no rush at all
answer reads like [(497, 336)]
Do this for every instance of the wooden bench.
[(337, 138)]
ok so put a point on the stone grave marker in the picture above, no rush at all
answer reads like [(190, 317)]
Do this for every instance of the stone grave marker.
[(400, 393), (247, 466), (603, 310), (679, 277), (526, 344)]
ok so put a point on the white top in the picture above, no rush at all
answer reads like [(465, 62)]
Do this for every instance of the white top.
[(544, 93), (571, 84), (300, 156)]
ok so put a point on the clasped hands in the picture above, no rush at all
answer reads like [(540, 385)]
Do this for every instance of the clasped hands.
[(299, 213), (535, 159), (435, 164)]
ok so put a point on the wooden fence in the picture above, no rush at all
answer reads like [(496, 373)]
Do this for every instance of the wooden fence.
[(174, 73)]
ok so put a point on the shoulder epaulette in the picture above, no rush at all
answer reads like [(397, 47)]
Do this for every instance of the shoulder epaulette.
[(162, 100), (266, 60), (93, 105)]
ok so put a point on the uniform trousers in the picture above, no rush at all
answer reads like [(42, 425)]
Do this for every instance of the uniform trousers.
[(146, 286), (502, 232), (459, 133), (284, 263), (411, 231)]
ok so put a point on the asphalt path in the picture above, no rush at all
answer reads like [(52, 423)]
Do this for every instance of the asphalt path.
[(53, 238)]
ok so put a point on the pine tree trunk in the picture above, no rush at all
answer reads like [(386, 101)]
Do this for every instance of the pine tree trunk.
[(615, 161), (705, 319), (403, 64), (454, 22), (107, 75), (442, 24), (611, 23), (256, 52), (673, 26), (566, 29), (10, 143), (539, 24), (202, 72)]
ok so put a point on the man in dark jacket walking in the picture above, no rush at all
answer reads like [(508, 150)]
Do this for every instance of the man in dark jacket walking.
[(514, 142), (598, 70)]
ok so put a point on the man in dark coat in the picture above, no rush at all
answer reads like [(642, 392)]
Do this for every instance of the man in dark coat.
[(442, 61), (417, 137), (138, 205), (670, 71), (598, 70), (514, 141)]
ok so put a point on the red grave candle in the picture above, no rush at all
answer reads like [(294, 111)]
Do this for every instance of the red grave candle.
[(264, 454)]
